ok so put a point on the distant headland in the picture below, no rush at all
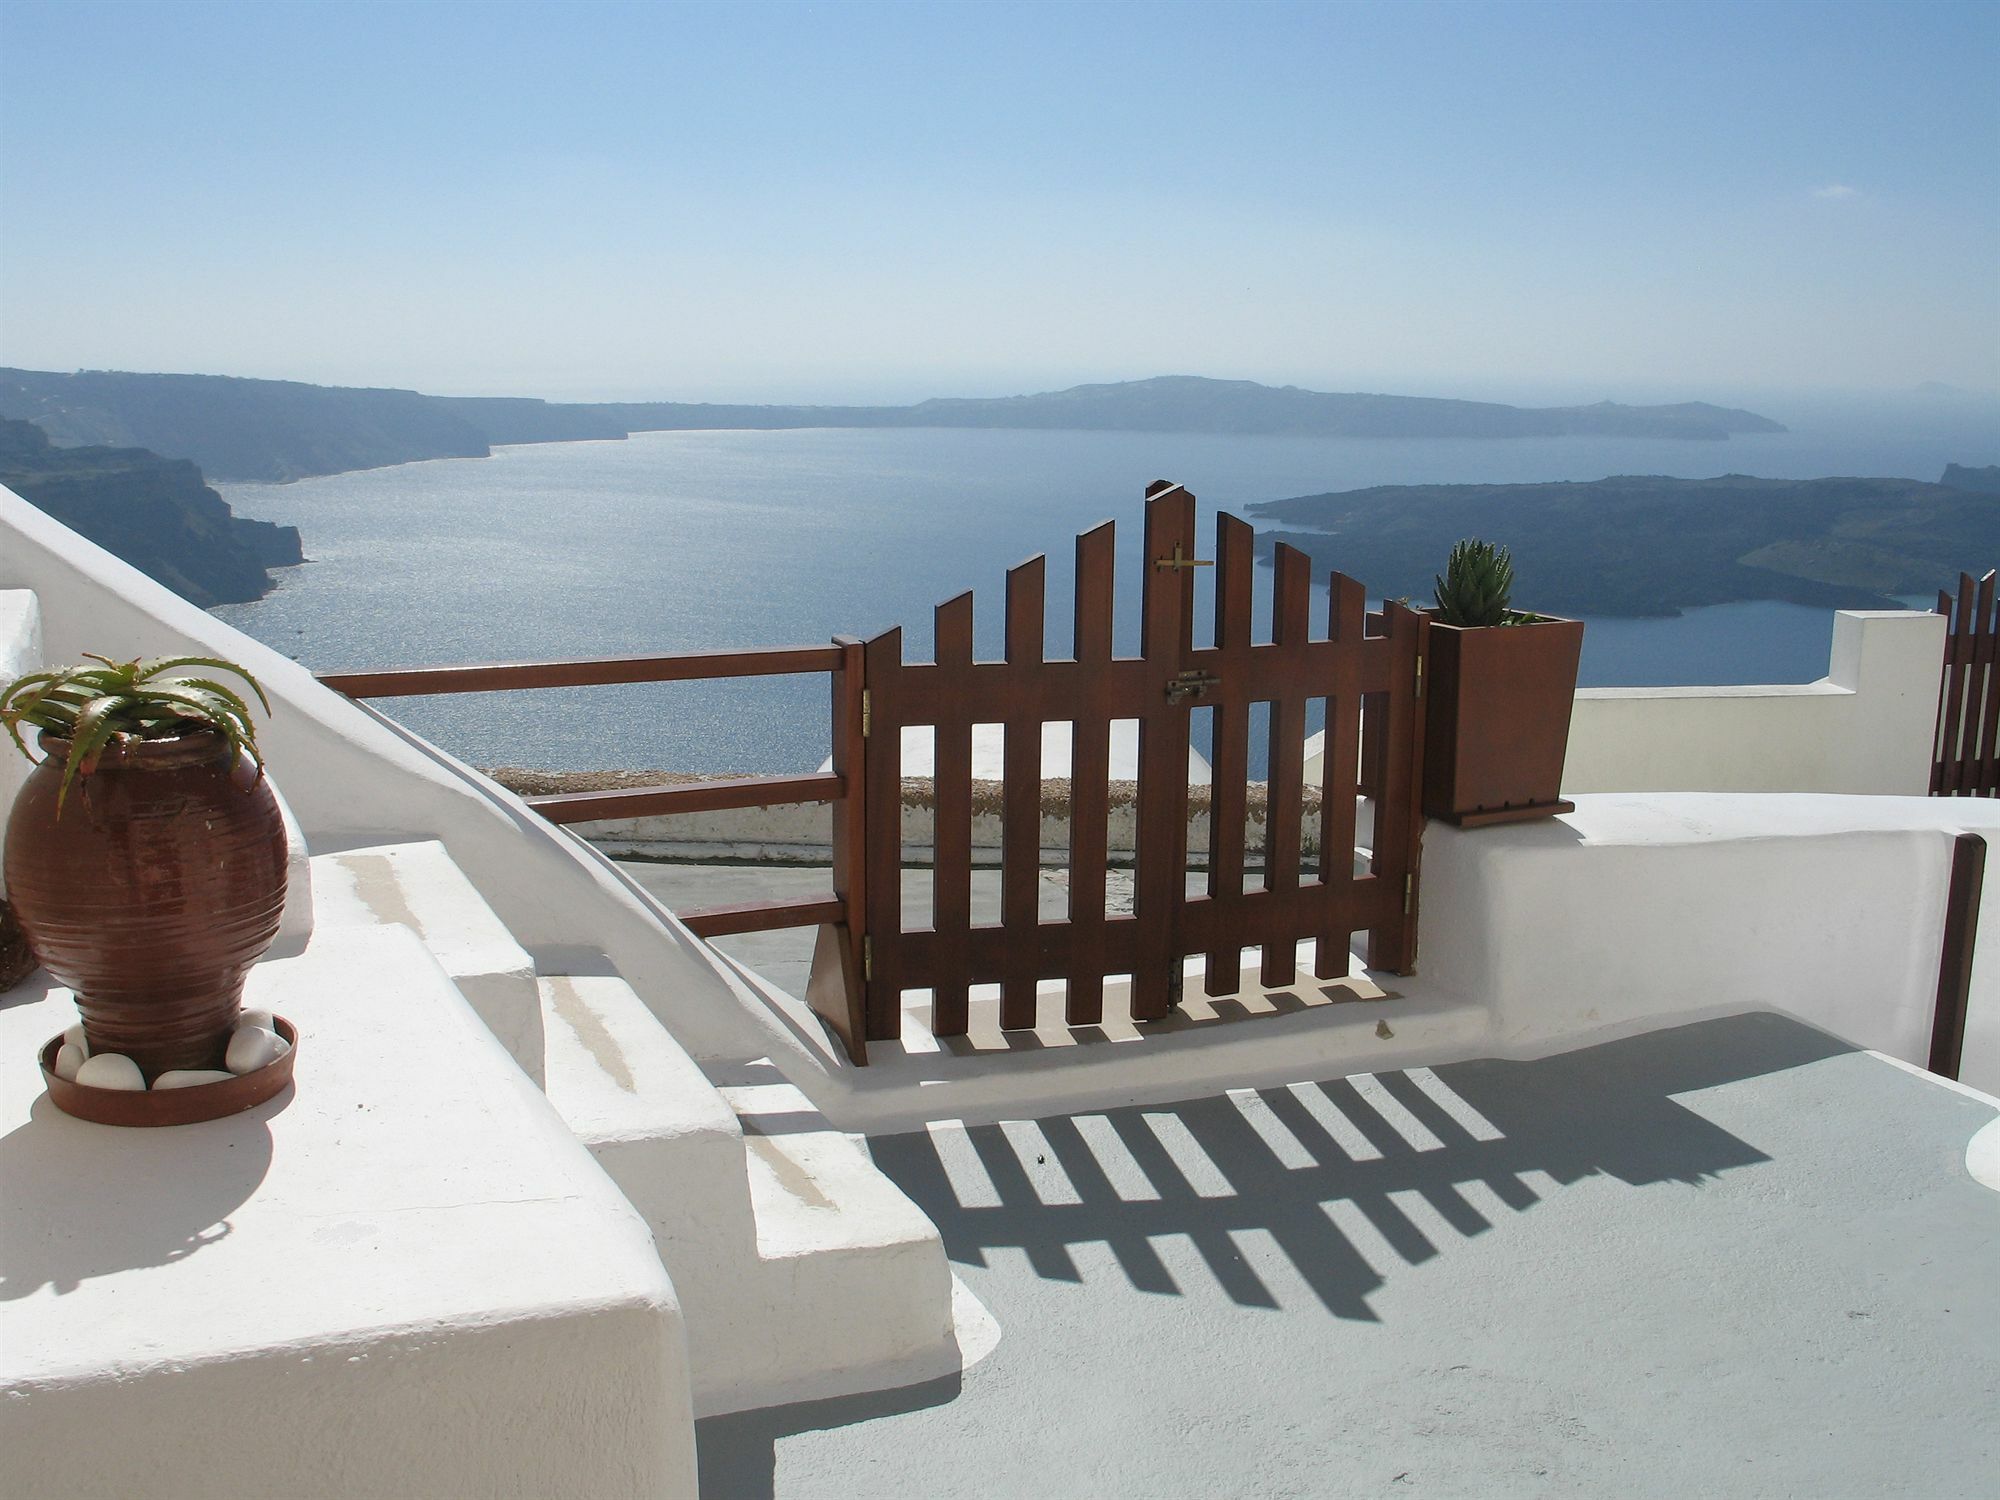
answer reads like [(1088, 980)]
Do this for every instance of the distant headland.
[(1643, 544), (274, 430), (154, 512)]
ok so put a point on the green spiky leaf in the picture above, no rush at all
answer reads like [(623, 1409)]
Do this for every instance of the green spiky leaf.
[(1476, 586), (104, 701)]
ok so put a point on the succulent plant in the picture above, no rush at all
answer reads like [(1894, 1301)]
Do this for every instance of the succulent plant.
[(96, 706), (1477, 585)]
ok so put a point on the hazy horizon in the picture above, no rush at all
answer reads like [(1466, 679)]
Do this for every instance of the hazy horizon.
[(1540, 204)]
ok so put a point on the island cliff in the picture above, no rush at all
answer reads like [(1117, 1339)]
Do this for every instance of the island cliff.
[(1649, 545), (154, 512)]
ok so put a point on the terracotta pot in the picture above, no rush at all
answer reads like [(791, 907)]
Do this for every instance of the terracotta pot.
[(1496, 730), (152, 893)]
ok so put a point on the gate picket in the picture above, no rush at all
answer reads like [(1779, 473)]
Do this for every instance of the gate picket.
[(1340, 779), (1090, 772), (1291, 605), (1021, 793), (1229, 758), (951, 804), (1159, 878)]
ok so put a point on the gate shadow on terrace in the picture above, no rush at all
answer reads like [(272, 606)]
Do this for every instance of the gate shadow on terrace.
[(1299, 1163)]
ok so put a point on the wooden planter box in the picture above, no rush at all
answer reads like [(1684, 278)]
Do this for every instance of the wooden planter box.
[(1497, 726)]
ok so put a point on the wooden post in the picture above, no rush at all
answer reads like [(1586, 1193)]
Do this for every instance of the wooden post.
[(835, 989)]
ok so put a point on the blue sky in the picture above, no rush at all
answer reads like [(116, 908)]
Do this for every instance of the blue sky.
[(887, 201)]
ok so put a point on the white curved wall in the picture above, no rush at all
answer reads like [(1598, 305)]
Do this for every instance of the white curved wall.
[(353, 778)]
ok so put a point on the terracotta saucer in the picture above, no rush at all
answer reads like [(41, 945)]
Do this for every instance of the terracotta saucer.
[(204, 1101)]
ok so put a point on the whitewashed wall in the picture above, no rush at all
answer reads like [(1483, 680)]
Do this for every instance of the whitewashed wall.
[(1866, 726)]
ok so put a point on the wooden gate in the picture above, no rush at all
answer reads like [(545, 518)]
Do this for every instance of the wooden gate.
[(1367, 667), (1966, 760)]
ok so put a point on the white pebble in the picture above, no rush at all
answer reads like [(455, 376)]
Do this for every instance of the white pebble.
[(254, 1047), (187, 1078), (261, 1018), (109, 1070), (74, 1037), (69, 1057)]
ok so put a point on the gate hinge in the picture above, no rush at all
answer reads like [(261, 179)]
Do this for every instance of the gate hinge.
[(1409, 892), (867, 711), (1420, 676), (868, 958)]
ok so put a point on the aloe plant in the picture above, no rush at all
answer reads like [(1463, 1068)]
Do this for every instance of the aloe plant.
[(1477, 586), (94, 707)]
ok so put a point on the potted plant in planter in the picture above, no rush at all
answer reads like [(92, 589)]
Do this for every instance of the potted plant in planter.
[(145, 861), (1502, 684)]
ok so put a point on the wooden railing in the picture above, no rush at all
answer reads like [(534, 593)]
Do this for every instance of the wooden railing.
[(839, 909), (1966, 758)]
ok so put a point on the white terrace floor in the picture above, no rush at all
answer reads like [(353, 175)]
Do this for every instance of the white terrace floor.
[(1734, 1257)]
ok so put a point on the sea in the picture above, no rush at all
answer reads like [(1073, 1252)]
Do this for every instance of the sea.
[(673, 541)]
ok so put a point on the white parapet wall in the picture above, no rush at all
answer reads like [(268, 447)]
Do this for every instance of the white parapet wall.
[(1642, 908), (1867, 726)]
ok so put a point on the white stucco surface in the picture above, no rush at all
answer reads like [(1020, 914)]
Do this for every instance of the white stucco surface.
[(416, 886), (1734, 1258), (20, 653), (801, 1269), (355, 779), (1638, 907), (1867, 726), (401, 1277)]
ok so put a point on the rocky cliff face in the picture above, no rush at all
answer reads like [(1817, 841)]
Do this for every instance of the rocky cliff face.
[(240, 429), (156, 513)]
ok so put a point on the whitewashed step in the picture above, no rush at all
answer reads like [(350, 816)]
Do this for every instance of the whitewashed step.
[(416, 885), (661, 1131), (852, 1269), (802, 1270)]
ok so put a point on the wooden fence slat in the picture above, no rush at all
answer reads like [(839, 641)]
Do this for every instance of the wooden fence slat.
[(1985, 691), (1090, 772), (762, 916), (1959, 652), (597, 671), (882, 944), (1961, 937), (1347, 604), (1229, 759), (834, 989), (1291, 605), (951, 859), (1160, 876), (1940, 753), (1398, 826), (1021, 795), (688, 797)]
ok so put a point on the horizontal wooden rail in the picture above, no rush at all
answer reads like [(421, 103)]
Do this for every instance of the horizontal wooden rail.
[(598, 671), (689, 797), (763, 916)]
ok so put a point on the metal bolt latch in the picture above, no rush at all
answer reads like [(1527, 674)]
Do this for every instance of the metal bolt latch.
[(1190, 685), (1180, 559)]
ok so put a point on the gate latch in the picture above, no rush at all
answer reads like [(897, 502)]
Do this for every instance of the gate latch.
[(1190, 685)]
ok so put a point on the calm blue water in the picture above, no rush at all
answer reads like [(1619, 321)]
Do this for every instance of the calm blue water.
[(689, 540)]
